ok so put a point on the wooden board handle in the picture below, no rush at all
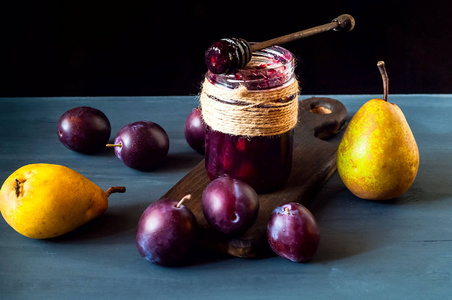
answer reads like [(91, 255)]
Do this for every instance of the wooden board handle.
[(322, 116)]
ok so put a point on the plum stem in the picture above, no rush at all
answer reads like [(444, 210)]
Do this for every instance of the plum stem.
[(384, 76), (114, 145), (287, 210), (183, 199), (115, 189)]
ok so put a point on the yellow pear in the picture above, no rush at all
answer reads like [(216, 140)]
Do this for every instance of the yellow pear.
[(44, 200), (378, 157)]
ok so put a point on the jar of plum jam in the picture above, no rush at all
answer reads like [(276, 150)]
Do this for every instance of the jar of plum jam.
[(259, 103)]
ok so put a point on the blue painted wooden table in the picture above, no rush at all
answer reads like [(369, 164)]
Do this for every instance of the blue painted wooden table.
[(400, 249)]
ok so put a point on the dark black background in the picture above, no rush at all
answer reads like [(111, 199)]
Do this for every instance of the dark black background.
[(100, 48)]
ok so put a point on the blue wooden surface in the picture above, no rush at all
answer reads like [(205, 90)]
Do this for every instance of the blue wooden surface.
[(400, 249)]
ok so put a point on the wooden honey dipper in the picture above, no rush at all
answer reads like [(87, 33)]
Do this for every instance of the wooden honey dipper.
[(229, 54)]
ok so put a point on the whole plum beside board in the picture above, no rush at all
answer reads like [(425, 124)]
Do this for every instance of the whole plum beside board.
[(166, 232), (292, 232), (195, 130), (229, 205), (141, 145), (84, 129)]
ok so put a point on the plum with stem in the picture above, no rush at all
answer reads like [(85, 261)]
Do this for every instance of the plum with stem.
[(166, 232), (292, 232), (141, 145)]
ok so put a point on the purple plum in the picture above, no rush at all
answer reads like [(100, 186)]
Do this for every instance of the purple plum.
[(195, 130), (141, 145), (229, 205), (292, 232), (84, 129), (166, 232)]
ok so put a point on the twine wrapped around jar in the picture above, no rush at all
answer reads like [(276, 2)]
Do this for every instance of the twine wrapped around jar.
[(250, 112)]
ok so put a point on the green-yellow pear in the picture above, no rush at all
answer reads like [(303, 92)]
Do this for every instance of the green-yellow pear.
[(378, 157), (44, 200)]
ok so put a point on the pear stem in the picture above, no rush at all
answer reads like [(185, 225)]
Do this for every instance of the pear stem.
[(115, 189), (384, 76), (183, 199), (17, 187), (114, 145)]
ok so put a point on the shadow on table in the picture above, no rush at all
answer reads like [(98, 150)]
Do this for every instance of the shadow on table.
[(202, 256), (347, 230), (423, 190), (113, 222), (339, 238), (177, 161)]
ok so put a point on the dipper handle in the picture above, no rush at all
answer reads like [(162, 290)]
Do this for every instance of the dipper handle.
[(343, 23), (230, 54)]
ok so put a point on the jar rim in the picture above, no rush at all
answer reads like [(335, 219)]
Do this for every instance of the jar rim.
[(274, 65)]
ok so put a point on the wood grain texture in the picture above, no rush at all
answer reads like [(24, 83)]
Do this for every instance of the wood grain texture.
[(401, 247), (314, 161)]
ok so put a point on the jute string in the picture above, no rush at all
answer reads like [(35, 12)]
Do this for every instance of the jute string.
[(251, 113)]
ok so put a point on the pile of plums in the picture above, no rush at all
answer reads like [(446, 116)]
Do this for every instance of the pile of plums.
[(139, 145), (167, 228)]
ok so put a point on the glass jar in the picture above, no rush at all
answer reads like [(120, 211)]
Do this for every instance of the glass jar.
[(262, 161)]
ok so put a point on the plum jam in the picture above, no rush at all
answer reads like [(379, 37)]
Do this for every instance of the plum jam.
[(262, 161)]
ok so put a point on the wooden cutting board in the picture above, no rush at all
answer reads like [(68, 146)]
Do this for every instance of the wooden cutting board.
[(314, 161)]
